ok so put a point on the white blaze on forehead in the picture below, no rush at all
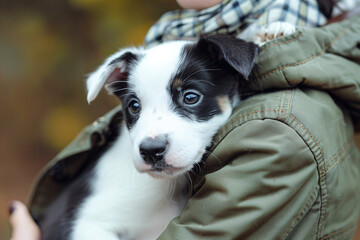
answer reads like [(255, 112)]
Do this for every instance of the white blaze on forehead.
[(155, 70), (150, 82)]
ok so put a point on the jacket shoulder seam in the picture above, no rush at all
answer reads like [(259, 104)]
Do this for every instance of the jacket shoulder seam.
[(345, 149), (323, 50), (235, 123)]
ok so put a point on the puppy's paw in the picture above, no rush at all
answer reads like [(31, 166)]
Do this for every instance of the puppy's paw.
[(272, 31)]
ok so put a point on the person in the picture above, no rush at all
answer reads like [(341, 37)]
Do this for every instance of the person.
[(285, 165), (22, 223)]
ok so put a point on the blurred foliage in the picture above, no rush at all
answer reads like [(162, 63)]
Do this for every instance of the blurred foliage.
[(47, 47), (46, 50)]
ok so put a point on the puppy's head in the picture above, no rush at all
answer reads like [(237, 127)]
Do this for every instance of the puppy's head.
[(175, 97)]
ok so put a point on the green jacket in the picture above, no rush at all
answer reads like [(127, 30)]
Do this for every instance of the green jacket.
[(285, 166)]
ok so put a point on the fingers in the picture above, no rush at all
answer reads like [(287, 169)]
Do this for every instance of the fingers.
[(24, 228)]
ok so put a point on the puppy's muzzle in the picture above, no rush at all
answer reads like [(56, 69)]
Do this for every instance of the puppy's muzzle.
[(153, 150)]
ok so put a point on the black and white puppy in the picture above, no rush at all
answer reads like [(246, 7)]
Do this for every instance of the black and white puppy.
[(175, 97)]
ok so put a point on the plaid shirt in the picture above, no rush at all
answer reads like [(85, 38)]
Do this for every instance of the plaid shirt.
[(232, 17)]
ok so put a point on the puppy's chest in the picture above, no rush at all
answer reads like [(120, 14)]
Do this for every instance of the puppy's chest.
[(132, 204)]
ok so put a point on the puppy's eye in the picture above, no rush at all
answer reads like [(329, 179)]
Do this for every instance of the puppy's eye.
[(134, 106), (191, 98)]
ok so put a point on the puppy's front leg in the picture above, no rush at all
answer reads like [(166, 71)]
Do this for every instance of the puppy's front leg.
[(272, 31)]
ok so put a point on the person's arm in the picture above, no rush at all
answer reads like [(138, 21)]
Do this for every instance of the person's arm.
[(267, 186), (24, 227)]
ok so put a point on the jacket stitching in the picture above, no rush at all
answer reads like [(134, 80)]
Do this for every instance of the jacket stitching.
[(317, 144), (281, 43), (306, 60), (344, 147), (344, 229), (288, 104), (338, 160), (227, 130), (309, 202), (324, 202), (348, 232), (282, 103)]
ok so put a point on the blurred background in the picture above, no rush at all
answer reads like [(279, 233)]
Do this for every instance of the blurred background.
[(46, 49)]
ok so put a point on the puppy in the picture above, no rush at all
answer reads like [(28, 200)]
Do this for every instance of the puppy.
[(175, 97)]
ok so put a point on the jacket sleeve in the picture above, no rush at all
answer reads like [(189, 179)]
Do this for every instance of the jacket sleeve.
[(266, 183)]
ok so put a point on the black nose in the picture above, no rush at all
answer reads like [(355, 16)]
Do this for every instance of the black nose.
[(152, 150)]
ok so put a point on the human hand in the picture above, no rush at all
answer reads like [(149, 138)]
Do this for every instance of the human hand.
[(24, 227)]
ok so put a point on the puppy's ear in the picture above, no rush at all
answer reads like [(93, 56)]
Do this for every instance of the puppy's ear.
[(239, 54), (116, 68)]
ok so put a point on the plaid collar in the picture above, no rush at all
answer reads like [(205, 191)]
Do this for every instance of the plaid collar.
[(232, 17)]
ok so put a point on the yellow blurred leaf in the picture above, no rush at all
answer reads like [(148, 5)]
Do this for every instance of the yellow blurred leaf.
[(61, 125)]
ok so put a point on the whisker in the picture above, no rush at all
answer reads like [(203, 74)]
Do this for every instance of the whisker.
[(123, 95), (212, 154), (188, 178), (123, 89), (171, 191), (212, 112), (193, 172), (118, 81), (182, 72), (191, 81), (120, 89), (202, 70)]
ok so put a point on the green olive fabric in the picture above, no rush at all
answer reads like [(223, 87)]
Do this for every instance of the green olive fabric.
[(285, 165)]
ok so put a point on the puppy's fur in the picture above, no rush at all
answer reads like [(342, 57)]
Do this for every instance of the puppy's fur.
[(175, 97)]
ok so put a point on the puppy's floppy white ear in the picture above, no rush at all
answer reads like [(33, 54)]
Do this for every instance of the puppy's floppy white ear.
[(115, 68)]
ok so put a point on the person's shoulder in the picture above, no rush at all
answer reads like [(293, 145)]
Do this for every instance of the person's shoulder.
[(309, 112)]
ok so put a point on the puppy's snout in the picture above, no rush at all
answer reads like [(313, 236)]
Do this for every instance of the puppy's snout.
[(152, 150)]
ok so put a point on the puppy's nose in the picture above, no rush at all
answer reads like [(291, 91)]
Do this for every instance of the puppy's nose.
[(152, 150)]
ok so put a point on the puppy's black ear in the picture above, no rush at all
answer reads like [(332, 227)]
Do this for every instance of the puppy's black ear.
[(239, 54), (115, 69)]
